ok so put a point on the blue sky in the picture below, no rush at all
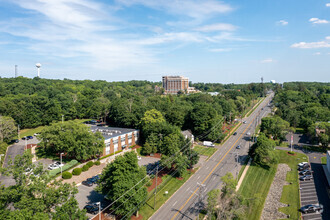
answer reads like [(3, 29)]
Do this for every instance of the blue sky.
[(206, 40)]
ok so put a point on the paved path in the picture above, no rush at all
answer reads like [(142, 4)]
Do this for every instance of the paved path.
[(185, 203), (243, 174)]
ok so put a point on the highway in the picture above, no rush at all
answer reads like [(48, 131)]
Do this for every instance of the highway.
[(190, 198)]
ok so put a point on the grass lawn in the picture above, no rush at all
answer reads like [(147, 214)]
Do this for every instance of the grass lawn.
[(243, 167), (32, 131), (324, 160), (206, 151), (171, 185), (258, 180)]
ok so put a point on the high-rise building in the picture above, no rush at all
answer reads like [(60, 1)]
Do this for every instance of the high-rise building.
[(174, 84)]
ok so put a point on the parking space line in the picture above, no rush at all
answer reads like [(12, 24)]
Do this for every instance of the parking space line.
[(304, 194), (308, 214), (307, 197), (309, 201), (315, 218)]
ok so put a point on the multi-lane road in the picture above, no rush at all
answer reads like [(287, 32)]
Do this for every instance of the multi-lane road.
[(188, 200)]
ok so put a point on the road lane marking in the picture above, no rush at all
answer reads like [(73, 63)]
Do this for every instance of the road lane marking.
[(198, 177), (188, 188), (212, 170), (174, 203)]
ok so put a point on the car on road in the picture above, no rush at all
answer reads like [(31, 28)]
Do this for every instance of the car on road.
[(87, 183), (306, 172), (306, 177), (235, 133), (312, 208), (244, 122), (29, 137), (238, 147), (92, 209), (248, 133)]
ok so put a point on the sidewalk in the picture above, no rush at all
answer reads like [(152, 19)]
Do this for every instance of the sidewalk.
[(243, 175)]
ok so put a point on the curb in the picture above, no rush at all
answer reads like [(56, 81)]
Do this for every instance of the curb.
[(6, 155)]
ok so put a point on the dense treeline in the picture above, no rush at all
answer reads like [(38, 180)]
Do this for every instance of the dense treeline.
[(305, 105), (35, 102)]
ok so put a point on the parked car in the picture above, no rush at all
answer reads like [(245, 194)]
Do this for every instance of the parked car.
[(36, 134), (16, 140), (235, 133), (312, 208), (59, 164), (244, 122), (93, 179), (53, 166), (23, 138), (238, 147), (92, 209), (87, 183), (304, 167), (306, 172), (29, 137), (306, 177), (302, 164), (139, 158)]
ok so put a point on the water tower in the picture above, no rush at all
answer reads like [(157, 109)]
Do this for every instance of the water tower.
[(38, 65)]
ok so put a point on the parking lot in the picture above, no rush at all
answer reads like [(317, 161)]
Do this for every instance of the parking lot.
[(308, 196)]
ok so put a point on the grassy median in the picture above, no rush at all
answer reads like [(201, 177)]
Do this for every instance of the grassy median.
[(258, 180), (206, 151)]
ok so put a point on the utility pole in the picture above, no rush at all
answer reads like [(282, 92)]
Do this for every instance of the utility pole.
[(62, 118), (18, 131), (155, 188)]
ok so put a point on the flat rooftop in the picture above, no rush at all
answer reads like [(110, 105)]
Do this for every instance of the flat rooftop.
[(111, 132)]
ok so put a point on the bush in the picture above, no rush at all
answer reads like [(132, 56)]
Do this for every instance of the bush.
[(66, 175), (76, 171), (90, 164), (97, 163), (85, 168), (67, 166)]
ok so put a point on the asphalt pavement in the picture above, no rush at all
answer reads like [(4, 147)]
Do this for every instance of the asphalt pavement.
[(187, 202)]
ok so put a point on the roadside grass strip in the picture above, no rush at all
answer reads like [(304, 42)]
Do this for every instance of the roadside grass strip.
[(147, 210), (206, 151), (324, 160), (255, 187)]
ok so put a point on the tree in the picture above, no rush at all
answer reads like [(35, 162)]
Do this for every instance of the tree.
[(263, 152), (152, 144), (72, 138), (123, 181), (33, 197), (274, 126), (7, 128)]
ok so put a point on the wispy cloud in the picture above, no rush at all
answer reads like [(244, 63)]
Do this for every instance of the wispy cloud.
[(268, 60), (220, 50), (282, 22), (318, 21), (317, 53), (311, 45), (217, 27), (327, 4)]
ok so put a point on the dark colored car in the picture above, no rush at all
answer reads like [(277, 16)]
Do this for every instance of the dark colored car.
[(238, 147), (23, 138), (93, 209), (29, 137), (87, 183), (235, 133), (16, 140), (304, 167), (311, 208), (94, 179), (306, 177), (306, 172)]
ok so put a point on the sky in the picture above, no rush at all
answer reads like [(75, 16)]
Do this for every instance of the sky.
[(206, 40)]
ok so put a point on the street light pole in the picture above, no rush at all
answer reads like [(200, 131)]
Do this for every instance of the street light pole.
[(1, 155), (61, 161), (99, 203), (62, 118), (18, 132)]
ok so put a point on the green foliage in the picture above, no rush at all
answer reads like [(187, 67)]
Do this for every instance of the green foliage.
[(229, 182), (90, 164), (97, 163), (85, 168), (67, 166), (212, 199), (66, 175), (263, 152), (33, 196), (73, 138), (274, 126), (8, 130), (76, 171), (119, 177)]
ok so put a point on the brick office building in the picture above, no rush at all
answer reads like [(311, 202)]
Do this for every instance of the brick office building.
[(174, 84), (116, 139)]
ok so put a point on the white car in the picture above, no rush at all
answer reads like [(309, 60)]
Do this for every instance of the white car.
[(139, 158), (248, 133), (302, 164), (58, 164), (53, 167)]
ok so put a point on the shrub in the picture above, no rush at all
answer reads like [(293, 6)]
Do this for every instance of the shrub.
[(149, 183), (85, 168), (90, 163), (76, 171), (66, 175), (67, 166), (97, 163)]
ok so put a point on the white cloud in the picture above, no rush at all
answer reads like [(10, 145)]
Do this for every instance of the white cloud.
[(268, 60), (318, 21), (217, 27), (312, 45), (221, 49), (282, 22), (327, 4), (317, 53)]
